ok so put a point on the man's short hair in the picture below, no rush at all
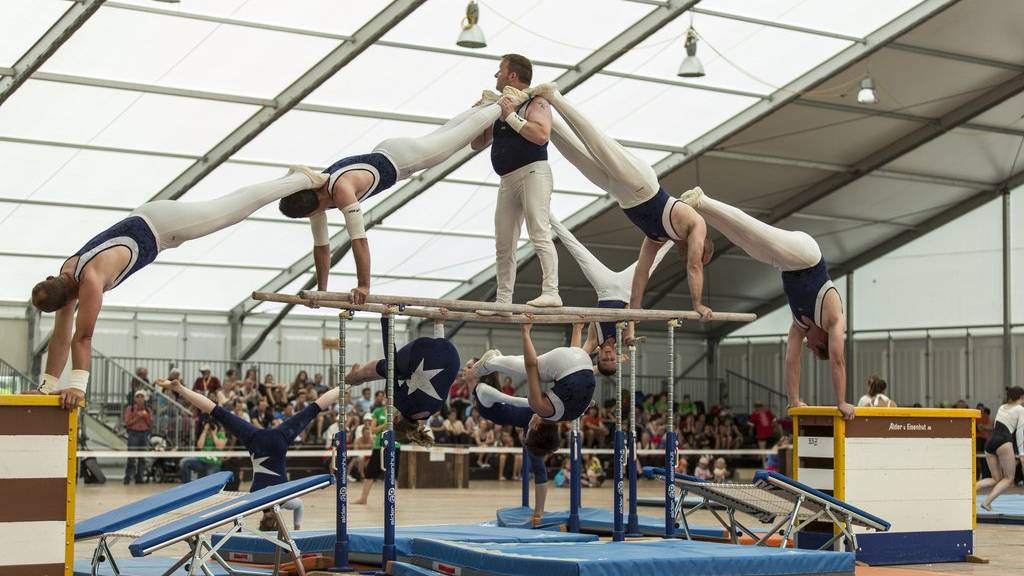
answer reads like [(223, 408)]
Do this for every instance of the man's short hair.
[(300, 204), (521, 65)]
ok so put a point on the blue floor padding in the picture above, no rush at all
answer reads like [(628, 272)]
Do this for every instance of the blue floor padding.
[(638, 557), (600, 521), (371, 540), (404, 569), (149, 566), (1007, 509)]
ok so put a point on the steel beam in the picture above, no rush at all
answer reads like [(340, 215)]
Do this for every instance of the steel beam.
[(613, 49), (47, 44), (369, 33)]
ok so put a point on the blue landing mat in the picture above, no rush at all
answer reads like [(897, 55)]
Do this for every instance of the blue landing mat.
[(638, 557), (600, 521), (150, 566), (370, 541), (1007, 509), (404, 569)]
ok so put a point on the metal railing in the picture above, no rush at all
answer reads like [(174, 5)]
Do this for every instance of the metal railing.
[(740, 393), (13, 381), (283, 372), (110, 389)]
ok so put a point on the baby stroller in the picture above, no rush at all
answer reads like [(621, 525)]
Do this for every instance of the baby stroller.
[(161, 469)]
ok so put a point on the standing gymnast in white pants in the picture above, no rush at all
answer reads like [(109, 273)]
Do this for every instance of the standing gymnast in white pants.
[(356, 178), (613, 291), (125, 248), (634, 185), (817, 309)]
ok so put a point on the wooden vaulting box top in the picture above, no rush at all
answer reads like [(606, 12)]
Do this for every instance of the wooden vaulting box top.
[(967, 413)]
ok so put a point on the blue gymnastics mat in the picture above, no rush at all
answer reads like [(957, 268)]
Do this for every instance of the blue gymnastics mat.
[(616, 558), (149, 566), (1007, 509), (366, 544), (600, 521)]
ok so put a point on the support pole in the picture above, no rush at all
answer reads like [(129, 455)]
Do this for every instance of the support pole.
[(633, 525), (575, 478), (524, 474), (1008, 380), (618, 533), (388, 552), (340, 442), (670, 436)]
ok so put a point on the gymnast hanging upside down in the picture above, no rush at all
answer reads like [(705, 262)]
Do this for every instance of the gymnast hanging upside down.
[(268, 448), (817, 309), (424, 372), (128, 246), (356, 178), (613, 291), (634, 185)]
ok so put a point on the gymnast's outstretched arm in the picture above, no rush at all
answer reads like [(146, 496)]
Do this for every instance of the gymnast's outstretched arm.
[(539, 402), (194, 398)]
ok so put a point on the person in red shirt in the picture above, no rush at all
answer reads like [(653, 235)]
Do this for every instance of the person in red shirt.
[(206, 383), (594, 431), (763, 422), (138, 421), (506, 387)]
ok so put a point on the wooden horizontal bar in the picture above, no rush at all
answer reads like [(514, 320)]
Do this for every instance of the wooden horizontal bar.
[(439, 314), (474, 306)]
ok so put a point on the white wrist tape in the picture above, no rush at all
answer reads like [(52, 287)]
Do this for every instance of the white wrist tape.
[(79, 380), (48, 385), (354, 221), (321, 235), (515, 121)]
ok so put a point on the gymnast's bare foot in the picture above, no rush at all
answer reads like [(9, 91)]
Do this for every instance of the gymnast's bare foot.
[(360, 502), (987, 507)]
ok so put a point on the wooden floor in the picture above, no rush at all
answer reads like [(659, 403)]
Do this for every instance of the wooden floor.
[(1003, 545)]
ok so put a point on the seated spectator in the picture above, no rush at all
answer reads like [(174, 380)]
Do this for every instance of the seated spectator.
[(564, 474), (249, 393), (720, 473), (211, 439), (207, 382), (262, 416), (763, 421), (594, 471), (456, 429), (507, 387), (876, 397), (702, 471), (458, 394), (319, 384), (365, 402), (594, 431), (363, 441), (771, 461), (687, 407), (297, 385), (507, 440), (682, 465), (436, 425), (471, 422)]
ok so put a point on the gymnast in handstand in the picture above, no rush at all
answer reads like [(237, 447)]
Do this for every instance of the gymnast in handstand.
[(635, 187), (613, 291), (353, 179), (267, 447), (424, 372)]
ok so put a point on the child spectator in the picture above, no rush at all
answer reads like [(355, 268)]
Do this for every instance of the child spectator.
[(702, 471)]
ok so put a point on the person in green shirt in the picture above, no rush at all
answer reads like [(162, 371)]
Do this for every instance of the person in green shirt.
[(212, 438), (377, 421)]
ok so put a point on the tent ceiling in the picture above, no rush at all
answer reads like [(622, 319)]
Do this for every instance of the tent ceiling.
[(97, 131)]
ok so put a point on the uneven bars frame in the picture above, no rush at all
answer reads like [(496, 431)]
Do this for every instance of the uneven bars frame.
[(631, 314)]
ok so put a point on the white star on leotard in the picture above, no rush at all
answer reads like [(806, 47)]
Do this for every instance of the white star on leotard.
[(259, 468), (420, 380)]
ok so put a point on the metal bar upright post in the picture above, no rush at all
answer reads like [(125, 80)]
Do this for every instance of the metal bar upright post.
[(340, 442), (633, 524), (388, 552), (524, 474), (618, 532), (670, 436), (575, 477)]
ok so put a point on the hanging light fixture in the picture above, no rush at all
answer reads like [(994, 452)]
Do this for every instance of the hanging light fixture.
[(691, 66), (867, 94), (472, 36)]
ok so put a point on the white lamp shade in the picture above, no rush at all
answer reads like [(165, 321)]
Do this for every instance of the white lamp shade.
[(472, 37)]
